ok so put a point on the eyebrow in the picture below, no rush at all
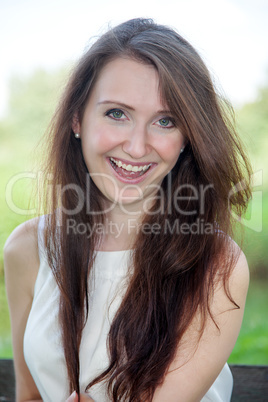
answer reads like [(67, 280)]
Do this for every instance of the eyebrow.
[(125, 106), (109, 102)]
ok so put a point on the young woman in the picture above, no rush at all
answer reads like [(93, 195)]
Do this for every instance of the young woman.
[(130, 287)]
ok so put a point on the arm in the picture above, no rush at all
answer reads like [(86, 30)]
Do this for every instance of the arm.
[(195, 371), (21, 267)]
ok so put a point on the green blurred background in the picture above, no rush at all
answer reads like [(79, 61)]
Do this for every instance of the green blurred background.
[(32, 100)]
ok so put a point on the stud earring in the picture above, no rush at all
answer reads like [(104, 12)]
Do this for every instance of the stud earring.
[(182, 149), (77, 135)]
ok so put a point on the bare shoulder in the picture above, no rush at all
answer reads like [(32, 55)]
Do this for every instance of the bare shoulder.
[(21, 258), (238, 281), (239, 278), (23, 236)]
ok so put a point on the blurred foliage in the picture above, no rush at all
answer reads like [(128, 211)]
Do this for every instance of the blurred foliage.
[(252, 123), (252, 344), (32, 101), (31, 104)]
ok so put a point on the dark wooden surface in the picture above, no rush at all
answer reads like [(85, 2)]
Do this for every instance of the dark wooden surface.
[(250, 383), (7, 381)]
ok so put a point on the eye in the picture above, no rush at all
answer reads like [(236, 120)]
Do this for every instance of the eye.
[(116, 114), (165, 122)]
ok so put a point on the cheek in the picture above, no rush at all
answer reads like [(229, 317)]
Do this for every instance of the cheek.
[(169, 148), (101, 139)]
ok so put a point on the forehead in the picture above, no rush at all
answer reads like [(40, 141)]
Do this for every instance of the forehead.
[(128, 81)]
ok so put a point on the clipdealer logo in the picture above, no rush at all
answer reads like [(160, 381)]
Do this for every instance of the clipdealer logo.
[(253, 219)]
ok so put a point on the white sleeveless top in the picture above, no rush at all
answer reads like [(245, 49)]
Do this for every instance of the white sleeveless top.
[(42, 339)]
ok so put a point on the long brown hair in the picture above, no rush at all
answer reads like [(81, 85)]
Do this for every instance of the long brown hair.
[(174, 273)]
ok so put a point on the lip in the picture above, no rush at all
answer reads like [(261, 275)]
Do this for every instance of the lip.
[(131, 181)]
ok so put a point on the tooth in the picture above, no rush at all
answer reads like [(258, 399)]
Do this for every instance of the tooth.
[(130, 168)]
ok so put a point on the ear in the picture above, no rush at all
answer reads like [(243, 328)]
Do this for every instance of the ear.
[(76, 127)]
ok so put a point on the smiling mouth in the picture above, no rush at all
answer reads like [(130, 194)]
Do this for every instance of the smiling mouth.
[(129, 171)]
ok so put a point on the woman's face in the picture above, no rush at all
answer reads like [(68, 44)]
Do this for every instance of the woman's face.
[(129, 141)]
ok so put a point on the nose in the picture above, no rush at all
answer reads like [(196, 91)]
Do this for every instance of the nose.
[(137, 144)]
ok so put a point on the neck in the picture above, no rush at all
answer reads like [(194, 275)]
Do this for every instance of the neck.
[(121, 228)]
